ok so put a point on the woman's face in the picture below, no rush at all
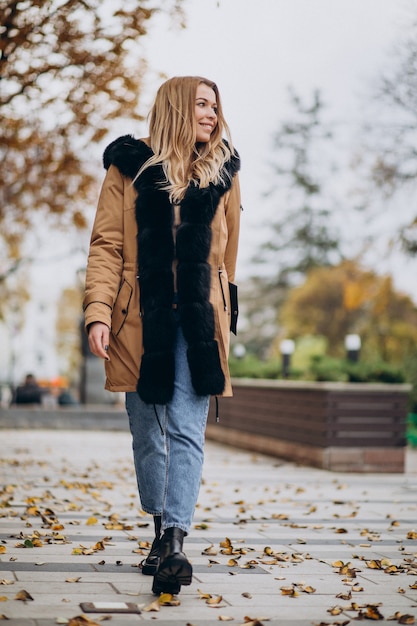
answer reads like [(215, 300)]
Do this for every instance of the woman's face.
[(205, 112)]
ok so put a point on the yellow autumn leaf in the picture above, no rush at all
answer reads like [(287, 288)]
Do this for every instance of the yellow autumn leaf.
[(213, 600), (3, 598), (167, 599), (3, 549), (91, 521)]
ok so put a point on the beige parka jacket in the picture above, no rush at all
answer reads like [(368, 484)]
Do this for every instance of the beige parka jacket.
[(112, 289)]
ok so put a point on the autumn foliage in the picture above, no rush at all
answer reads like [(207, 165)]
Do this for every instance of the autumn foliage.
[(68, 68), (336, 301)]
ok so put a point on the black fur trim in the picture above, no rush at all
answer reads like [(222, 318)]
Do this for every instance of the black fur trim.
[(206, 373), (156, 380), (156, 254)]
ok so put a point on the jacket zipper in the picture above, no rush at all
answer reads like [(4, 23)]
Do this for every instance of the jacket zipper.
[(221, 288)]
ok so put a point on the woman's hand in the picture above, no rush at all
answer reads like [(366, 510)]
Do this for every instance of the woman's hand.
[(98, 339)]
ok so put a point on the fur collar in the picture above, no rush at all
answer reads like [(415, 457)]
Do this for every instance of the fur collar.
[(156, 253)]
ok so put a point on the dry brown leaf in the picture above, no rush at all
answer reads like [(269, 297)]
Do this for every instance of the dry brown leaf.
[(82, 620), (412, 534), (3, 598), (214, 600), (253, 621), (335, 610), (73, 580), (289, 591), (225, 618), (5, 581), (211, 550), (372, 612), (3, 550), (23, 595), (246, 595), (345, 596)]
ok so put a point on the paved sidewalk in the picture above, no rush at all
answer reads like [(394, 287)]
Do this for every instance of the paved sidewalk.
[(273, 543)]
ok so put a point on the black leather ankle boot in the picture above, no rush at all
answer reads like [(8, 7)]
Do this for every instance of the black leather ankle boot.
[(174, 568), (150, 564)]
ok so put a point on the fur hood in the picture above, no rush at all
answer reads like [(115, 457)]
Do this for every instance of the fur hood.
[(157, 251)]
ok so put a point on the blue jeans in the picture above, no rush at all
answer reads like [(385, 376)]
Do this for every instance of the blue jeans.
[(169, 464)]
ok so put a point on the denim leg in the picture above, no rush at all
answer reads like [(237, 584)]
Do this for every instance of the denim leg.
[(149, 452), (169, 464)]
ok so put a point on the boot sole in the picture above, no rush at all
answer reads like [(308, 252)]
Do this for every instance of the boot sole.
[(175, 571)]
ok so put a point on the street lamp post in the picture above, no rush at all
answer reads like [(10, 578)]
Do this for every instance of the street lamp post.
[(287, 348), (353, 346)]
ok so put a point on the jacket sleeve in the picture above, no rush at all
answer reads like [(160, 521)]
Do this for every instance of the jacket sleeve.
[(232, 209), (105, 259)]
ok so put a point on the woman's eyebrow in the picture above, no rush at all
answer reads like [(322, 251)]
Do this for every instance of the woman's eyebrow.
[(206, 100)]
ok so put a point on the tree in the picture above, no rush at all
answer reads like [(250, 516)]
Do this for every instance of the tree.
[(302, 233), (392, 138), (68, 68), (336, 301)]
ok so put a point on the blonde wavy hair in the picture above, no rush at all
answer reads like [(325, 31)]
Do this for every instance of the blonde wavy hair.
[(172, 132)]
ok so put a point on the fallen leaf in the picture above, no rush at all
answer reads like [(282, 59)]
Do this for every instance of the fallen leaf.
[(5, 581), (3, 550), (23, 595), (289, 591), (372, 612), (167, 599), (73, 580), (225, 618), (82, 620), (91, 521), (214, 600), (246, 595)]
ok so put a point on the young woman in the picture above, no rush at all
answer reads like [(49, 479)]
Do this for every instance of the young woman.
[(157, 304)]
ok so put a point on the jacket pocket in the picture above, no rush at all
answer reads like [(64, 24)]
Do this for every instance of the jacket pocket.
[(121, 307)]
